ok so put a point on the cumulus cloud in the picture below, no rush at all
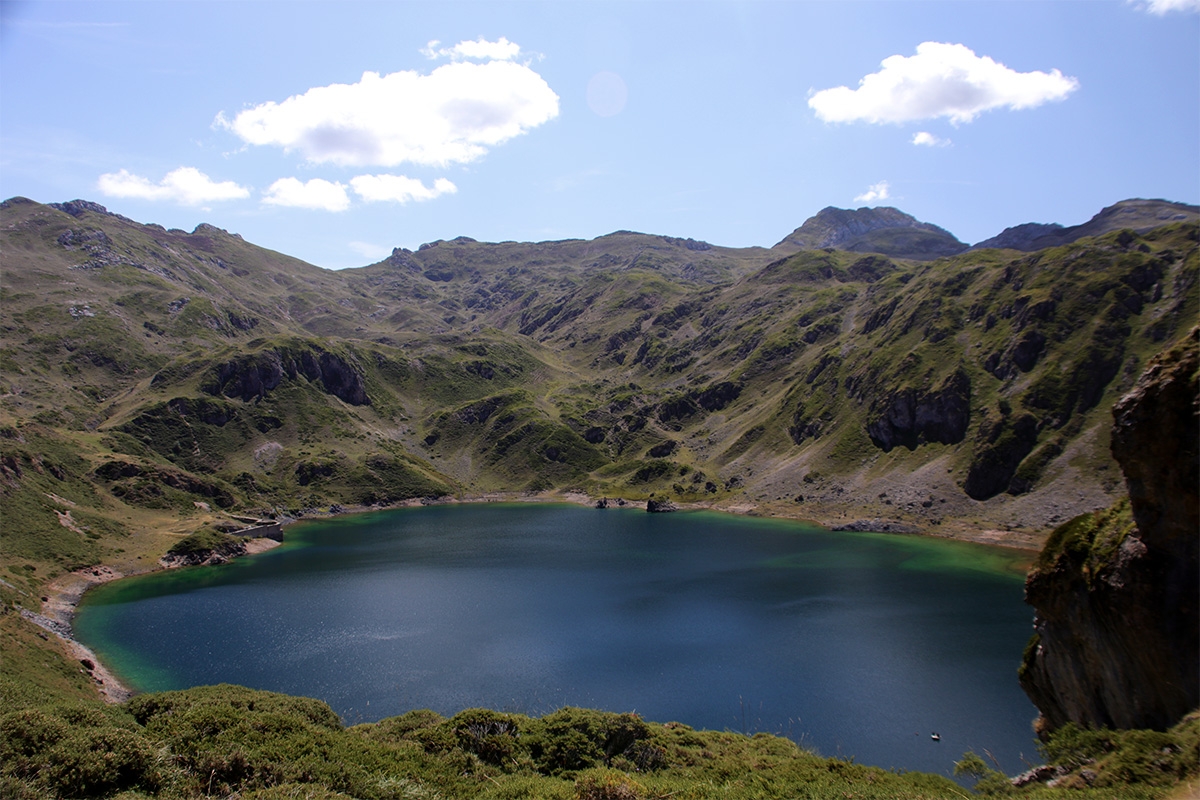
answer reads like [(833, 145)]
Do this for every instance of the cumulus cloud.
[(317, 194), (927, 139), (452, 115), (186, 185), (398, 188), (1161, 7), (874, 193), (502, 50), (941, 80)]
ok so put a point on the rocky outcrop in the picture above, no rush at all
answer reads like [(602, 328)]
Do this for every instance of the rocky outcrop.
[(1117, 639), (660, 506), (221, 553), (911, 416), (860, 230), (1002, 445), (1155, 439), (142, 484), (252, 376)]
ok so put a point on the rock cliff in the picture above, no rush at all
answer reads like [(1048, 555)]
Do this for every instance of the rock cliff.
[(254, 375), (1117, 639)]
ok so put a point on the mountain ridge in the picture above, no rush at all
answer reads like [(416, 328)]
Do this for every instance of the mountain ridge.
[(1137, 214), (957, 396), (831, 227)]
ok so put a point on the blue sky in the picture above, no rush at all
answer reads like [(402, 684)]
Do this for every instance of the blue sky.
[(336, 131)]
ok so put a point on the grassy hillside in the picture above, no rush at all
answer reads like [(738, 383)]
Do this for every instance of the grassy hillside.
[(157, 383), (158, 376)]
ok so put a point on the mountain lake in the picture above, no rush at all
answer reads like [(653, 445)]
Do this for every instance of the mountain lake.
[(853, 644)]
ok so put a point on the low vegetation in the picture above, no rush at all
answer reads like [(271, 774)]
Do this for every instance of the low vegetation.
[(228, 741)]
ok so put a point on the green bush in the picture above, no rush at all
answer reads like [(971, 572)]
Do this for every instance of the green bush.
[(1072, 746), (490, 735), (578, 738), (93, 762), (75, 751)]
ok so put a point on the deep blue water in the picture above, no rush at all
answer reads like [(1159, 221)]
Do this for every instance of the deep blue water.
[(853, 644)]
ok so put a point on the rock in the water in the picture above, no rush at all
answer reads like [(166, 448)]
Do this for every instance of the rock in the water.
[(655, 506), (1117, 640)]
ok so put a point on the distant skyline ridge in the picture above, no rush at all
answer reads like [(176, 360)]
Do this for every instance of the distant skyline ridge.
[(883, 229), (338, 132)]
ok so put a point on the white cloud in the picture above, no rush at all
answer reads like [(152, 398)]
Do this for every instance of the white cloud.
[(317, 194), (452, 115), (375, 252), (502, 50), (398, 188), (927, 139), (1161, 7), (186, 185), (874, 193), (941, 80)]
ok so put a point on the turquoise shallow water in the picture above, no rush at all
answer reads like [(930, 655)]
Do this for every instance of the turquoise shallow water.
[(854, 644)]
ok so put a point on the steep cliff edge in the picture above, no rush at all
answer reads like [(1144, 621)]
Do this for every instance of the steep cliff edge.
[(1117, 641)]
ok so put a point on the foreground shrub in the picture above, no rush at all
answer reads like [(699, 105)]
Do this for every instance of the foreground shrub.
[(578, 738), (75, 751), (490, 735)]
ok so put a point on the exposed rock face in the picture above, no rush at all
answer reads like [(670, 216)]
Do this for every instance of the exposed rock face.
[(1002, 445), (1156, 440), (1117, 639), (253, 376), (655, 506), (836, 226), (849, 229), (76, 208), (911, 416)]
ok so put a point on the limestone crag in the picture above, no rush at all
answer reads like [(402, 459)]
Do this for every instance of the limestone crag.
[(252, 376), (912, 416), (1117, 639)]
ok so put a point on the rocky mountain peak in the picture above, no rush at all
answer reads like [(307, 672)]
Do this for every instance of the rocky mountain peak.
[(76, 208), (884, 230)]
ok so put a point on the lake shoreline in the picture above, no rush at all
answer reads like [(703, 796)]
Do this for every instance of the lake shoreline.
[(63, 594), (825, 517), (61, 599), (706, 557)]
